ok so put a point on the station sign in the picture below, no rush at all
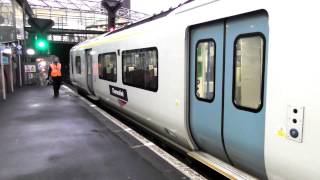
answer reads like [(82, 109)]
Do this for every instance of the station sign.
[(5, 60), (30, 68), (19, 47)]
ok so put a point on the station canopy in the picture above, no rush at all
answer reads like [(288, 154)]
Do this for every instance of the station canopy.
[(84, 5), (5, 1), (88, 13), (92, 6), (80, 15)]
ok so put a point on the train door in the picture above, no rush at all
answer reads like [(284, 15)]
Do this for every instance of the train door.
[(227, 110), (206, 60), (244, 107), (89, 71)]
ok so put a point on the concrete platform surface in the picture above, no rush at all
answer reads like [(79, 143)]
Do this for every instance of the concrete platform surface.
[(46, 138)]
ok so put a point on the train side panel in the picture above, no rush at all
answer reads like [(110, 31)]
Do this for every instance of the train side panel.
[(162, 110), (293, 83)]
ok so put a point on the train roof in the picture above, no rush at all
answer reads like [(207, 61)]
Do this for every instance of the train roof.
[(182, 11), (149, 19)]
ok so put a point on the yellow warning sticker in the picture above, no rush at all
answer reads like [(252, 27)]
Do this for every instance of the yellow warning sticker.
[(281, 133), (177, 103)]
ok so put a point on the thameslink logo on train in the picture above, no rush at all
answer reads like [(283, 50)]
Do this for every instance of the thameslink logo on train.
[(118, 92)]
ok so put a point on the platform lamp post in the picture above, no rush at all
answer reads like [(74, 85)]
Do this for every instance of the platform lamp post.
[(3, 85), (112, 7)]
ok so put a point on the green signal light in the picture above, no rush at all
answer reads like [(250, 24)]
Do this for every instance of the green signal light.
[(41, 44)]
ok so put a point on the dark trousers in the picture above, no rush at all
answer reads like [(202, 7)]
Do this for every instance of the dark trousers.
[(56, 83)]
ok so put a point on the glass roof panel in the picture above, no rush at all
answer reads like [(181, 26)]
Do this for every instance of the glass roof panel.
[(5, 1), (77, 2), (94, 4), (84, 7), (69, 6), (53, 4), (36, 2)]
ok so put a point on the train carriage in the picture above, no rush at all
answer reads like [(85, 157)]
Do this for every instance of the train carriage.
[(231, 83)]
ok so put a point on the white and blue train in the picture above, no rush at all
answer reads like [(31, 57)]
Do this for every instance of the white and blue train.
[(234, 84)]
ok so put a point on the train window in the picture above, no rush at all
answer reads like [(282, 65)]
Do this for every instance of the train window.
[(205, 69), (140, 68), (248, 71), (108, 66), (71, 63), (78, 65)]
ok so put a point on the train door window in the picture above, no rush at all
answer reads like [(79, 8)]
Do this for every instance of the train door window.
[(248, 71), (71, 63), (108, 66), (78, 65), (205, 70), (140, 68)]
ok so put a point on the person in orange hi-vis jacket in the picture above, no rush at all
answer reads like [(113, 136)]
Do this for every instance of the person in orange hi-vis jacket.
[(56, 75)]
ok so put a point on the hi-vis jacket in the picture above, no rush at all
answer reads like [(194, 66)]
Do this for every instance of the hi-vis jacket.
[(55, 70)]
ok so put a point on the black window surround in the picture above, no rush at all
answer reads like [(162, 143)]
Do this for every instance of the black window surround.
[(112, 77), (214, 70), (78, 65), (136, 82), (248, 35)]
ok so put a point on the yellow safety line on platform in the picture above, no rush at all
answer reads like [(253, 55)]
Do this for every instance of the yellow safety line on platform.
[(210, 165)]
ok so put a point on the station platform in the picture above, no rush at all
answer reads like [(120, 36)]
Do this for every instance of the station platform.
[(42, 137)]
